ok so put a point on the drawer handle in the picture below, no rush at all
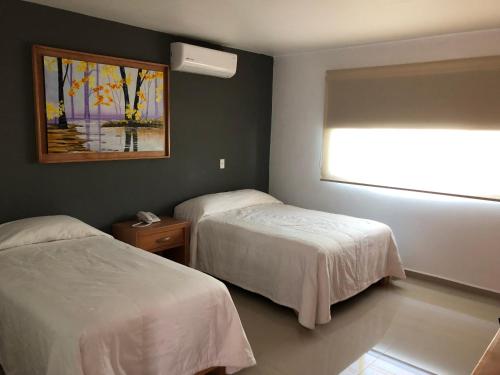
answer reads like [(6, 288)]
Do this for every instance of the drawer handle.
[(164, 239)]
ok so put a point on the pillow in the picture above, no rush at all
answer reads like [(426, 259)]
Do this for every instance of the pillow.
[(44, 229), (197, 208)]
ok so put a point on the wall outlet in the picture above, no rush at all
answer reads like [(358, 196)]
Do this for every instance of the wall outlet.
[(222, 163)]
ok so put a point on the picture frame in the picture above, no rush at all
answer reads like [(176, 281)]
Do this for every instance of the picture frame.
[(91, 107)]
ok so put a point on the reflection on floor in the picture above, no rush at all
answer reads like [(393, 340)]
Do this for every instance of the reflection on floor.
[(413, 325), (375, 362)]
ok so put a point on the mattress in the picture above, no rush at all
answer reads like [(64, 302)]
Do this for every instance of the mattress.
[(304, 259), (95, 305)]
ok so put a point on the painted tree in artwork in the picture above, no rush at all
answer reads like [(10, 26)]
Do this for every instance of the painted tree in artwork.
[(132, 114), (61, 77), (158, 91), (57, 110), (138, 93), (152, 80), (71, 97), (156, 96), (109, 91), (99, 107), (125, 82), (87, 82)]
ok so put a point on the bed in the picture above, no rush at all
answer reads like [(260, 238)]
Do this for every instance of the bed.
[(73, 300), (304, 259)]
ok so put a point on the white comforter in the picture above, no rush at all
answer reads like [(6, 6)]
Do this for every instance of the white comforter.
[(303, 259), (98, 306)]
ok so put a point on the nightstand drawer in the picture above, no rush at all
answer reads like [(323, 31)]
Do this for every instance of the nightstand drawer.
[(169, 237), (161, 239)]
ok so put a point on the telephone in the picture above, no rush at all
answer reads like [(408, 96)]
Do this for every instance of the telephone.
[(146, 218)]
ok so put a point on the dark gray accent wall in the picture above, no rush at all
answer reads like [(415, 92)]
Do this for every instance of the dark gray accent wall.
[(211, 118)]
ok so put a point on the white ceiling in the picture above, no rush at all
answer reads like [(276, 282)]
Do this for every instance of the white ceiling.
[(277, 27)]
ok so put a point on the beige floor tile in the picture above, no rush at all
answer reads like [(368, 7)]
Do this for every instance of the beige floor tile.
[(374, 371), (360, 364), (436, 328), (260, 369), (391, 366)]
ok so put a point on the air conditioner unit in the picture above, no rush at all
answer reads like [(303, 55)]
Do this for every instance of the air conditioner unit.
[(200, 60)]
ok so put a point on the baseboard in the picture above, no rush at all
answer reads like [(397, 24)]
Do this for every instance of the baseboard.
[(453, 283)]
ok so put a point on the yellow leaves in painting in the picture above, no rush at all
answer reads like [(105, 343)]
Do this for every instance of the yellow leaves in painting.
[(88, 79), (159, 88), (50, 63), (75, 84), (111, 71), (128, 79), (51, 110), (149, 75), (84, 66), (131, 113), (114, 85), (159, 93), (102, 100), (91, 81), (81, 66), (82, 74), (115, 82), (54, 110)]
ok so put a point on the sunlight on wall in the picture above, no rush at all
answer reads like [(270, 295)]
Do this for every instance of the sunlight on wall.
[(463, 162)]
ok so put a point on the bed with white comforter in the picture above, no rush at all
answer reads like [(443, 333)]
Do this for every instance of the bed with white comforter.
[(75, 301), (303, 259)]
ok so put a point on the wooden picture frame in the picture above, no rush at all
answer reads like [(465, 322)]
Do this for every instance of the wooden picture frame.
[(104, 85)]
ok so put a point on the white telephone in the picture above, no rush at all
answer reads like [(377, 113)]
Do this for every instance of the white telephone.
[(146, 218)]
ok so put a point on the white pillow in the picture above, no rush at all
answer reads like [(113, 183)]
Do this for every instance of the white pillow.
[(196, 208), (44, 229)]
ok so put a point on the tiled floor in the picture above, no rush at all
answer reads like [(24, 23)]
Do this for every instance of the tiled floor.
[(409, 327)]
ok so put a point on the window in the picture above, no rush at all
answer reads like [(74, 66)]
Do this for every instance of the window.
[(460, 162), (431, 127)]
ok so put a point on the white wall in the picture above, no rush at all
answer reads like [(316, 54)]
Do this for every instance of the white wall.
[(453, 238)]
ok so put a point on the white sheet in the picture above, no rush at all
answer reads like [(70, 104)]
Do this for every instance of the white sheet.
[(303, 259), (195, 209), (98, 306)]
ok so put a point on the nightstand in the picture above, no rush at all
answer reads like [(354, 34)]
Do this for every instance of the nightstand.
[(169, 237)]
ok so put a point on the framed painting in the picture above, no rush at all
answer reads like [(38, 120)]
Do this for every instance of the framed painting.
[(91, 107)]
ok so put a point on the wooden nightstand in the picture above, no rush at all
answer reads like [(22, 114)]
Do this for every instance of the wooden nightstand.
[(170, 237)]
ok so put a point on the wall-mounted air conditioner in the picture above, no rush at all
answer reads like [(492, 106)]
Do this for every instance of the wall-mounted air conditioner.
[(200, 60)]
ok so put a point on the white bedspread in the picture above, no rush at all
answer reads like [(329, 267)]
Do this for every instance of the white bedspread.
[(303, 259), (98, 306)]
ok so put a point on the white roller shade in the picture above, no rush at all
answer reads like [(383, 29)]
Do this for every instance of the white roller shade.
[(429, 127)]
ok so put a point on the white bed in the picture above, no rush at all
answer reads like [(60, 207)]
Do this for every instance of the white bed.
[(75, 301), (303, 259)]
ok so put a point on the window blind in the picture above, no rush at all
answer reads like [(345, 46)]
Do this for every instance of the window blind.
[(431, 127)]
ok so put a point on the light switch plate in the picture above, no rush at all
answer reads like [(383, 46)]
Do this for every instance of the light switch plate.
[(222, 163)]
